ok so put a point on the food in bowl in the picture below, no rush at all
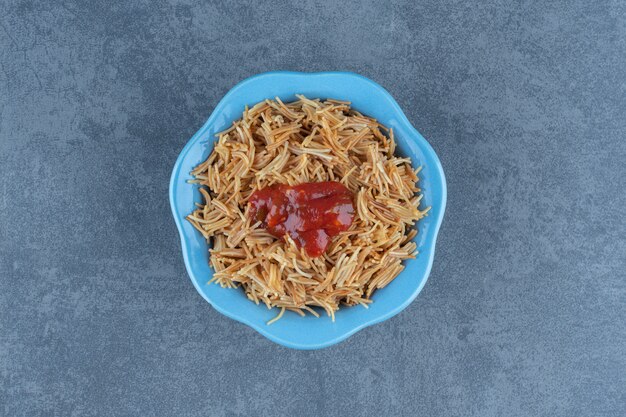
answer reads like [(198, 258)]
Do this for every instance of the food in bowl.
[(307, 205)]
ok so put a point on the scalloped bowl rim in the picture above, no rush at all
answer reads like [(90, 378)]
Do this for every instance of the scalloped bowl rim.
[(189, 236)]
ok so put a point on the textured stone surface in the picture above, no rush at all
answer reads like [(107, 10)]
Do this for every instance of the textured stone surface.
[(524, 313)]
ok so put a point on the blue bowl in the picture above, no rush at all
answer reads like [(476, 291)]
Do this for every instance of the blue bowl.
[(370, 99)]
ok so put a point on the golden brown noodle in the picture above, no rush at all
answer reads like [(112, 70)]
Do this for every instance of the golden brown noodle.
[(294, 143)]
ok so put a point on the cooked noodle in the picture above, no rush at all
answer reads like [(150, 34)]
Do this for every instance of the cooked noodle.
[(300, 142)]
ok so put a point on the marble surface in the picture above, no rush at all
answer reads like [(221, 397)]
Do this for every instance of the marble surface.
[(525, 310)]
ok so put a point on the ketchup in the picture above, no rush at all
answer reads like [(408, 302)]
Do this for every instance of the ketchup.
[(311, 213)]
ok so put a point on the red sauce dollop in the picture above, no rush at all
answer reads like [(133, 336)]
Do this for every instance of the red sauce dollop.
[(311, 213)]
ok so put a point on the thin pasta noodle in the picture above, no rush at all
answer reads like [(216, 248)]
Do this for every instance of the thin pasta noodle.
[(308, 140)]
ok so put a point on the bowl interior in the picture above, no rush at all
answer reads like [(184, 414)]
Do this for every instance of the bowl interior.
[(370, 99)]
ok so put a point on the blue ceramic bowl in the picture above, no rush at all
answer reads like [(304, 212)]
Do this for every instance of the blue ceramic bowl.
[(370, 99)]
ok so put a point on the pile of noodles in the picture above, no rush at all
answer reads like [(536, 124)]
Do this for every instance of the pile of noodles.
[(294, 143)]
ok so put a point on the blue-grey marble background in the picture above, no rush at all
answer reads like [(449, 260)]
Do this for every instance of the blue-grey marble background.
[(524, 313)]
